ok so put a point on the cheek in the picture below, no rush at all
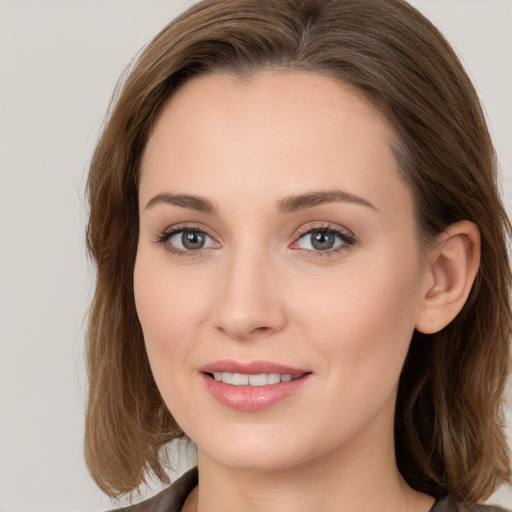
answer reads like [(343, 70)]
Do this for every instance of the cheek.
[(169, 303), (364, 319), (169, 306)]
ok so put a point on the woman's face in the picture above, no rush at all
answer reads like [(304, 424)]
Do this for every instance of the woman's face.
[(277, 241)]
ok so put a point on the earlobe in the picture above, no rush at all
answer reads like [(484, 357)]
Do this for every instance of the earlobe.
[(453, 265)]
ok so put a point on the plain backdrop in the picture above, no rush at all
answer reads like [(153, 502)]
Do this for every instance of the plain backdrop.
[(59, 62)]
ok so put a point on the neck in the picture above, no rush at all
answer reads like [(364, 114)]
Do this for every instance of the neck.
[(362, 476)]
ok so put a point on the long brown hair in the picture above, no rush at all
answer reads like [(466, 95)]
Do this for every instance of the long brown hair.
[(449, 419)]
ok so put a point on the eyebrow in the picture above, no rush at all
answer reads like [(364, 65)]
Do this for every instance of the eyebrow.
[(286, 205), (192, 202), (310, 199)]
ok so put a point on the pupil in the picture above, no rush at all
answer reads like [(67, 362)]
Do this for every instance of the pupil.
[(192, 240), (322, 240)]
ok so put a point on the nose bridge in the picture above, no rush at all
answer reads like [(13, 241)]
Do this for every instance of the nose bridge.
[(249, 303)]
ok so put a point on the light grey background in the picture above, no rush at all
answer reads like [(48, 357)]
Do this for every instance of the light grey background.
[(59, 62)]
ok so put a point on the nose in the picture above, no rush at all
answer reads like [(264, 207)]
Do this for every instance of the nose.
[(250, 302)]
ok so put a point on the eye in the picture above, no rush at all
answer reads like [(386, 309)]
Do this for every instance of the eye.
[(186, 240), (189, 240), (323, 239)]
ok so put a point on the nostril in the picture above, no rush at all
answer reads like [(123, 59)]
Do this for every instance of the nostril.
[(261, 329)]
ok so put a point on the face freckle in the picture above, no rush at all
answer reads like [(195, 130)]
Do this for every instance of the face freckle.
[(258, 169)]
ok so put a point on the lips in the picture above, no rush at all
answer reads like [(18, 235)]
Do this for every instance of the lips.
[(252, 386)]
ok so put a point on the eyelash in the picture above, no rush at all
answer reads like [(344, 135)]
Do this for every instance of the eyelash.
[(347, 240)]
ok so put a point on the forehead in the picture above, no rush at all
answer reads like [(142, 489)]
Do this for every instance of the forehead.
[(285, 94), (267, 134)]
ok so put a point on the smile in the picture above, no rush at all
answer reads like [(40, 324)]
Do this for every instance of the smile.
[(252, 386)]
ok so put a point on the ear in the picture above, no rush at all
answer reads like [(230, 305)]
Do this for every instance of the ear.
[(452, 267)]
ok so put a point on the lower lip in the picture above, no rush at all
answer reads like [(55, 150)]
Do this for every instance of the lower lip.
[(253, 398)]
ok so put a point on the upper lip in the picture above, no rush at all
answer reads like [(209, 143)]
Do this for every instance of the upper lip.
[(250, 368)]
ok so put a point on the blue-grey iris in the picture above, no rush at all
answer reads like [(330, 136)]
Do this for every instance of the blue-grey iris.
[(193, 240), (322, 240)]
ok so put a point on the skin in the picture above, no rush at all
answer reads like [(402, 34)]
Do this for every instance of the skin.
[(259, 290)]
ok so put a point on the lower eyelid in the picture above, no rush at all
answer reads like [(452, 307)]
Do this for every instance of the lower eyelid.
[(331, 253)]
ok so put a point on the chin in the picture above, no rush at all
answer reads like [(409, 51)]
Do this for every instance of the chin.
[(260, 461), (253, 452)]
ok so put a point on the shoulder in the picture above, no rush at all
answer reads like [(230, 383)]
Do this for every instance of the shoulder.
[(168, 500), (447, 505)]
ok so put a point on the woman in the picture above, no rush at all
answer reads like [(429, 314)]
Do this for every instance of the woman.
[(302, 266)]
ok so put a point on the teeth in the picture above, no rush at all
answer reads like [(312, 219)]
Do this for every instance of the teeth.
[(227, 377), (273, 378), (239, 379), (258, 380), (262, 379)]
